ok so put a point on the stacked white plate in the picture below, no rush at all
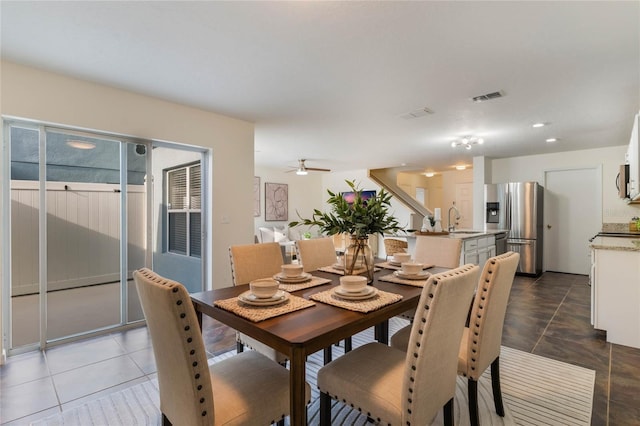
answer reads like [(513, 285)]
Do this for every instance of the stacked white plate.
[(422, 275), (304, 277), (366, 293), (251, 299)]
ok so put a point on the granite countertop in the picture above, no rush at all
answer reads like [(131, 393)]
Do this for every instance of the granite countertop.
[(471, 233), (462, 234), (616, 243)]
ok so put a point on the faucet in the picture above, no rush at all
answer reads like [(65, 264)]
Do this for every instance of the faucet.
[(451, 227)]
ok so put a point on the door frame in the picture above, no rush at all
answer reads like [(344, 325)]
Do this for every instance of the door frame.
[(5, 240), (598, 190)]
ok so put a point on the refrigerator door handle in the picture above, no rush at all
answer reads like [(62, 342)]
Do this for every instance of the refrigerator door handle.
[(518, 243)]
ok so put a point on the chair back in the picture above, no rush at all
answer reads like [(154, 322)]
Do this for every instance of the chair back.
[(488, 312), (316, 253), (183, 372), (443, 252), (254, 261), (393, 246), (432, 355)]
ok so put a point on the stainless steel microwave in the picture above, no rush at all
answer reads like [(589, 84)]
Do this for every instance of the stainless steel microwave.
[(622, 181)]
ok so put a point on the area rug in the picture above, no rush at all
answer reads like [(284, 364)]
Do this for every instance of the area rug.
[(536, 391)]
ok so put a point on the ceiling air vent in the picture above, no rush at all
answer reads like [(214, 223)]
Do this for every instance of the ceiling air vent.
[(417, 113), (487, 97)]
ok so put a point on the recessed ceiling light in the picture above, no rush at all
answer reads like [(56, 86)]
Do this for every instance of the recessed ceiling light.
[(551, 140), (81, 144), (538, 125), (429, 174), (461, 167)]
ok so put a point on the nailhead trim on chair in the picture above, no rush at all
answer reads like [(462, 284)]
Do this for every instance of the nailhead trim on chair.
[(423, 321), (477, 323), (186, 326)]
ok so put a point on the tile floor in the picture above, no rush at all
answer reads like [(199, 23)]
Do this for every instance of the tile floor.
[(548, 316)]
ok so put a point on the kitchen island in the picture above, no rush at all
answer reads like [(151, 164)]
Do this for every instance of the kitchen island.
[(615, 288), (477, 246)]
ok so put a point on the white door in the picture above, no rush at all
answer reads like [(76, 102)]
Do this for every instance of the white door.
[(573, 214), (464, 203), (422, 195)]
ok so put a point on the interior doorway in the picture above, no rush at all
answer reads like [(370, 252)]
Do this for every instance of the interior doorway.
[(573, 214), (464, 204)]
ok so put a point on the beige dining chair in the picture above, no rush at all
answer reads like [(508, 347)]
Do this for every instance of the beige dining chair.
[(482, 337), (252, 262), (442, 252), (316, 253), (247, 388), (407, 388)]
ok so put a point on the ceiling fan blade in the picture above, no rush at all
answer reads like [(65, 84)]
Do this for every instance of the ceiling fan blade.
[(315, 169)]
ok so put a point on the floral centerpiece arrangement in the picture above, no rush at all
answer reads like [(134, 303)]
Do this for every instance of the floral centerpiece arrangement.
[(359, 220)]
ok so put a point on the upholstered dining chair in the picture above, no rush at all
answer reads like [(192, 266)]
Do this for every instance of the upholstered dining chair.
[(443, 252), (316, 253), (245, 389), (481, 339), (393, 246), (407, 388), (251, 262)]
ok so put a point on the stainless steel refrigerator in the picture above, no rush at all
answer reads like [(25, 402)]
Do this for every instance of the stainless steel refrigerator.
[(518, 207)]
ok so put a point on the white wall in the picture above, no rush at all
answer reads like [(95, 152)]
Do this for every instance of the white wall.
[(532, 168), (335, 182), (305, 194), (48, 97)]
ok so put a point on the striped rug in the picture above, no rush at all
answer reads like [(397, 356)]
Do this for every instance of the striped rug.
[(536, 391)]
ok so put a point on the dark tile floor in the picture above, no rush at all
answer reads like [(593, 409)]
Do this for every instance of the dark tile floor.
[(548, 316)]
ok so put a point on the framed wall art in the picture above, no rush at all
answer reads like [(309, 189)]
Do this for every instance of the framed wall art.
[(276, 201), (256, 196)]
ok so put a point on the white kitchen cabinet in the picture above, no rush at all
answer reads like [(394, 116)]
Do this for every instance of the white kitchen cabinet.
[(478, 250), (615, 287)]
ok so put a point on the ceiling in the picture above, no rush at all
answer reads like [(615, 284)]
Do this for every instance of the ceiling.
[(331, 81)]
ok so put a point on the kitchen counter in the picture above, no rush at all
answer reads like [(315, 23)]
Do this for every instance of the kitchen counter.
[(615, 288), (477, 246), (470, 233), (616, 243), (459, 233)]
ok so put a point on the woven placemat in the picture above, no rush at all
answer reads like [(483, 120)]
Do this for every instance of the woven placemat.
[(314, 281), (381, 299), (333, 270), (387, 265), (393, 279), (261, 313)]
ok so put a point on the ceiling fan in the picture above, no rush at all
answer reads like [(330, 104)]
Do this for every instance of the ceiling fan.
[(302, 169)]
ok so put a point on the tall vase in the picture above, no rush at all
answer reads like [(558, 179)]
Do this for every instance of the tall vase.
[(358, 258)]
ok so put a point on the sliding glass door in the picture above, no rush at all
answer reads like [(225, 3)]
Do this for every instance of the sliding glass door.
[(88, 209), (83, 191), (78, 228)]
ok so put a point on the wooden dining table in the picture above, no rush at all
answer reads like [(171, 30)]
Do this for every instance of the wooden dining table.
[(301, 333)]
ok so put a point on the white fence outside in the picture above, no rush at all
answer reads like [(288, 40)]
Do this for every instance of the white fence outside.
[(83, 234)]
